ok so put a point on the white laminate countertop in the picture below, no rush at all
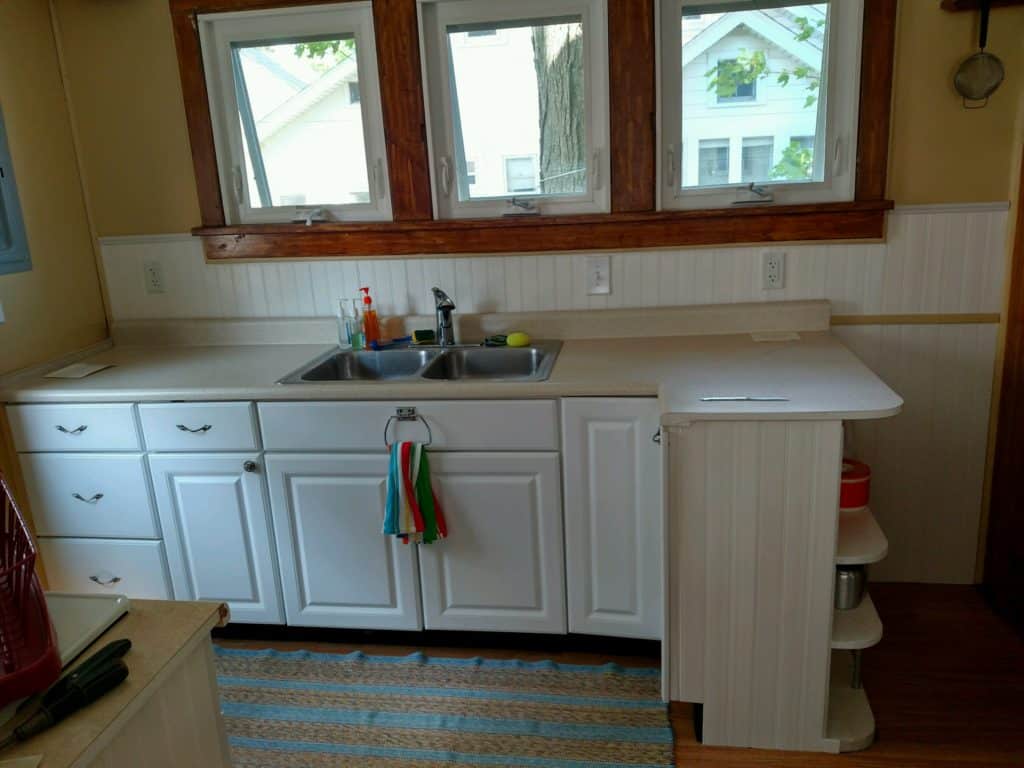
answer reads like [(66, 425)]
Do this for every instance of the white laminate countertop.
[(817, 374)]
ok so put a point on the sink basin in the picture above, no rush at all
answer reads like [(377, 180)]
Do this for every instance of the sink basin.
[(365, 366), (494, 363), (457, 363)]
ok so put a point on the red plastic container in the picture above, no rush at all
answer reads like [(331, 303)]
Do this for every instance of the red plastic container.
[(855, 489), (29, 660)]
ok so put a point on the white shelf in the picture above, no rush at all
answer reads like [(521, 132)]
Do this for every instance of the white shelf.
[(851, 724), (856, 629), (861, 541)]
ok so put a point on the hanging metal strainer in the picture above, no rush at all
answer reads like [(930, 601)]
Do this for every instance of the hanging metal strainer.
[(979, 75)]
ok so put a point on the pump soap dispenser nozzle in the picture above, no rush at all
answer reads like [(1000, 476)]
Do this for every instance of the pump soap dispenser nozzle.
[(371, 325)]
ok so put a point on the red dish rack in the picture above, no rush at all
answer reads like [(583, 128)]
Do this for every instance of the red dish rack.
[(29, 659)]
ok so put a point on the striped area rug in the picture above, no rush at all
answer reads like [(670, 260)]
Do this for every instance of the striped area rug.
[(284, 710)]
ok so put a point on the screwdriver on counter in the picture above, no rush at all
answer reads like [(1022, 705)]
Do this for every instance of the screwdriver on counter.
[(100, 673)]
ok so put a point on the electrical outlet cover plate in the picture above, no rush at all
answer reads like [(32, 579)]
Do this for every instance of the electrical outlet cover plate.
[(599, 275), (773, 270)]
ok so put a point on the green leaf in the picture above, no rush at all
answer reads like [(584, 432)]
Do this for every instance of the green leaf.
[(810, 100)]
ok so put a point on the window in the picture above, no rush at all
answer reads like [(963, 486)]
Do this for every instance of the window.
[(539, 130), (713, 162), (790, 69), (757, 159), (14, 254), (296, 113), (741, 85), (521, 175)]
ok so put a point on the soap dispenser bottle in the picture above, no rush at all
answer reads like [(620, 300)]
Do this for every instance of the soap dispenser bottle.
[(371, 325)]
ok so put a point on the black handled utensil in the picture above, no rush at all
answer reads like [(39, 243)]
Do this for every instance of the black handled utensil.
[(76, 694)]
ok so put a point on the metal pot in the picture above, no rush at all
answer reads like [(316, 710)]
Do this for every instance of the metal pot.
[(851, 581)]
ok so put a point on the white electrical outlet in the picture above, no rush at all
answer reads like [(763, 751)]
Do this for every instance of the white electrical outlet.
[(773, 270), (153, 273), (599, 275)]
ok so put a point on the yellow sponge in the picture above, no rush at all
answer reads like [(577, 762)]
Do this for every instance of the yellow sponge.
[(518, 339)]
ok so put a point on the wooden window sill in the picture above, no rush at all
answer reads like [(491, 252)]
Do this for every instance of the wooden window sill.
[(858, 220)]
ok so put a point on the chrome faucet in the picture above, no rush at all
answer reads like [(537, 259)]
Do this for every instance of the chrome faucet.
[(444, 306)]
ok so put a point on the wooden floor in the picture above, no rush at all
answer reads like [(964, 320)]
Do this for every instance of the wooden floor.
[(946, 685)]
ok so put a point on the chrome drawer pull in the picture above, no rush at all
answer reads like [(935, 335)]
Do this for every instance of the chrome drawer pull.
[(92, 500), (197, 430), (105, 582), (76, 431)]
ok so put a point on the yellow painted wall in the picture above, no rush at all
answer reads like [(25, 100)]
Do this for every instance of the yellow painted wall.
[(127, 98), (56, 307), (125, 92), (941, 152)]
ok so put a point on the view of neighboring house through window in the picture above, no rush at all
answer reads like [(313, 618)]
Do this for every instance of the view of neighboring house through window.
[(509, 86), (757, 159), (714, 162), (745, 88), (520, 175), (293, 108), (14, 254), (752, 98)]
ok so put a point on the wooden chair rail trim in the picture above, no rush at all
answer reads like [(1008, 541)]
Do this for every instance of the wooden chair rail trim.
[(840, 221)]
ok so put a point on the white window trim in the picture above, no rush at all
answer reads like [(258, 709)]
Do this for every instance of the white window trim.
[(834, 153), (217, 32), (435, 16)]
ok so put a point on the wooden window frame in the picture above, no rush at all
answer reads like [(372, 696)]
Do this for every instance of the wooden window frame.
[(633, 222)]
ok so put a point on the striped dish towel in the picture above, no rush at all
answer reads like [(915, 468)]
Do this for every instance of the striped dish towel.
[(412, 512)]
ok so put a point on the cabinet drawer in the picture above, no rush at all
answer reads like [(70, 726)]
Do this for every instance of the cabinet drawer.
[(95, 427), (87, 494), (172, 427), (481, 425), (133, 568)]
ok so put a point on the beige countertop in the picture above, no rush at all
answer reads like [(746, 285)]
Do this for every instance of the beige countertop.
[(159, 630), (818, 376)]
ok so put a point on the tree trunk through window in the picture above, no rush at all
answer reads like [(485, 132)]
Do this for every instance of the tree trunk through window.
[(558, 59)]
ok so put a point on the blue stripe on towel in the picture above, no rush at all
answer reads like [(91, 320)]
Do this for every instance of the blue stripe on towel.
[(644, 734), (397, 753), (420, 658), (453, 693)]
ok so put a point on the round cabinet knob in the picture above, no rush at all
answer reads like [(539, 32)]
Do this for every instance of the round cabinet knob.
[(250, 466)]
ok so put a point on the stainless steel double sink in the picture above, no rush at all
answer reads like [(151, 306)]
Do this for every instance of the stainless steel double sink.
[(457, 363)]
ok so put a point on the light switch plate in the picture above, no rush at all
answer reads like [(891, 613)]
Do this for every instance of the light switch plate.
[(153, 273), (599, 275)]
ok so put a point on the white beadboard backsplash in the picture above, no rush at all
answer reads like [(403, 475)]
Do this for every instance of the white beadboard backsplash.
[(928, 462), (938, 259)]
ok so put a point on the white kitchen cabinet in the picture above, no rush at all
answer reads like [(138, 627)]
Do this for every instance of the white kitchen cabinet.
[(216, 527), (613, 516), (501, 567), (106, 567), (337, 568)]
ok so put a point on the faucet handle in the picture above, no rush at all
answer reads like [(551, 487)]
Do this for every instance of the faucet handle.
[(442, 299)]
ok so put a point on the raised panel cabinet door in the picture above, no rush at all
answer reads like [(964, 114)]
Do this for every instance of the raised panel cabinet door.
[(501, 568), (337, 568), (613, 516), (216, 527)]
